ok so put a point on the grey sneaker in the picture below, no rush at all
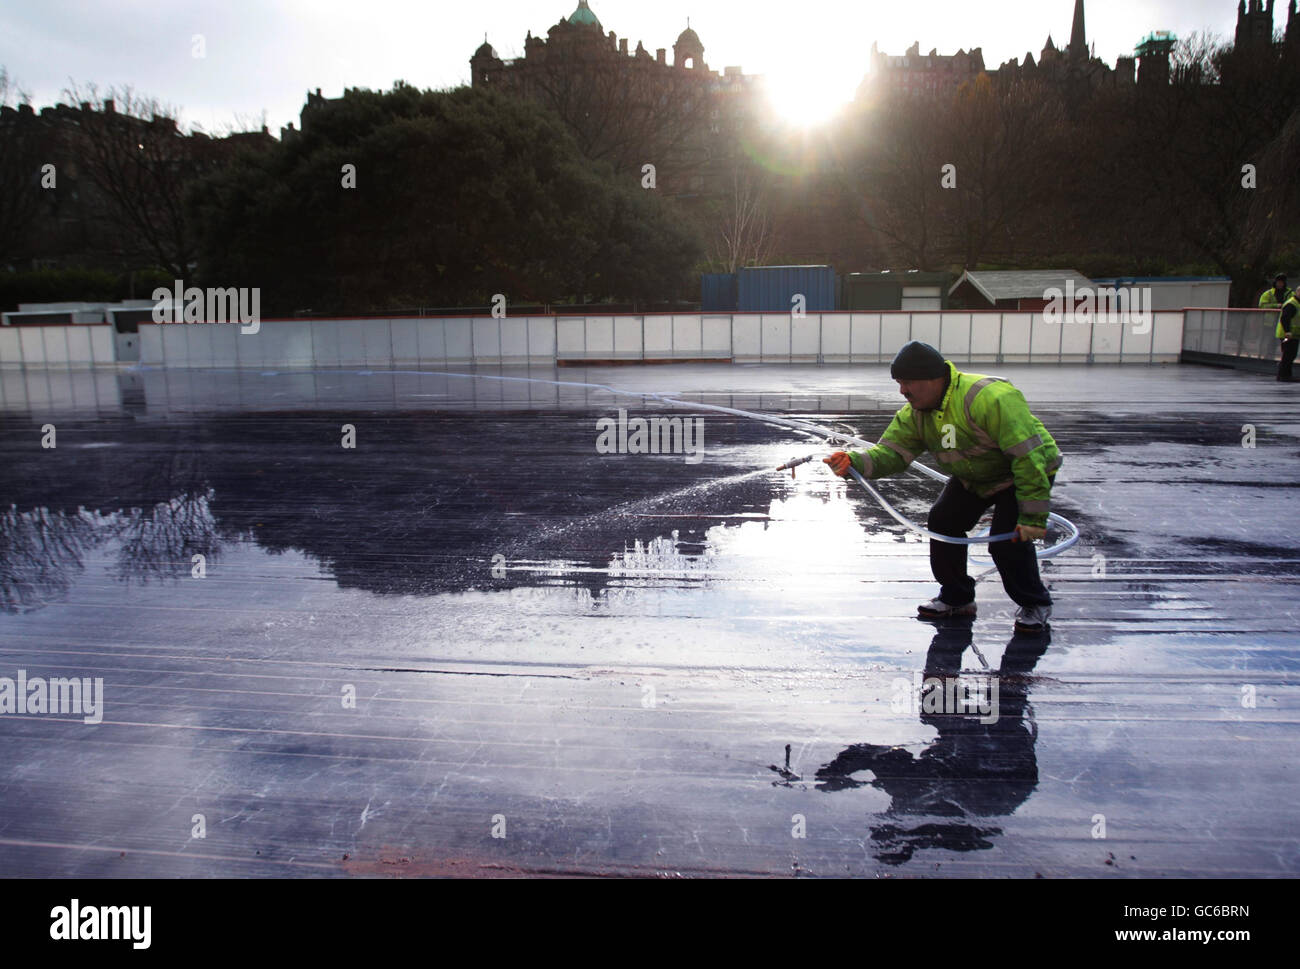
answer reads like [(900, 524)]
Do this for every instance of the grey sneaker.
[(1032, 619), (938, 609)]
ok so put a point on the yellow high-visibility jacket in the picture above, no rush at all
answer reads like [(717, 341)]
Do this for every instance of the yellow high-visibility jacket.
[(1294, 327), (983, 434), (1268, 300)]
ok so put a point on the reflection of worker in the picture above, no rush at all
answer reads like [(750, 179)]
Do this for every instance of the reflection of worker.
[(1272, 299), (996, 452), (1288, 331), (972, 770)]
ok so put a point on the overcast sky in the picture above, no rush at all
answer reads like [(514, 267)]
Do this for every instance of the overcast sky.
[(262, 57)]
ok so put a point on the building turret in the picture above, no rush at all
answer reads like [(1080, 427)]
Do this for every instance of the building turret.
[(1078, 37), (1153, 57), (1254, 25), (688, 52), (484, 67), (584, 17)]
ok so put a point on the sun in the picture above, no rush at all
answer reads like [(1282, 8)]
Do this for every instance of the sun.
[(805, 96)]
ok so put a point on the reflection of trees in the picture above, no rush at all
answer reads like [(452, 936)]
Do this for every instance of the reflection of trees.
[(160, 542), (429, 502), (43, 550), (159, 537), (421, 509), (150, 492), (40, 552)]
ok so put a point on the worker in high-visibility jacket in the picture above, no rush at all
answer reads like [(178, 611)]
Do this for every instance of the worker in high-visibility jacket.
[(997, 453), (1277, 294), (1288, 331)]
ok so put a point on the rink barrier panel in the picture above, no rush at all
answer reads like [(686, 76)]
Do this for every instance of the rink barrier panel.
[(1242, 338), (859, 337), (966, 337)]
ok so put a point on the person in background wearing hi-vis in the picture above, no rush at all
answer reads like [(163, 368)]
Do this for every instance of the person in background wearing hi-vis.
[(996, 452), (1273, 297), (1288, 331)]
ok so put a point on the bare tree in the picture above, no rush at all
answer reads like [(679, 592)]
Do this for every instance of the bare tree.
[(1275, 204), (627, 111), (1197, 59), (1002, 143), (136, 156), (20, 174), (893, 171), (1214, 155), (743, 230)]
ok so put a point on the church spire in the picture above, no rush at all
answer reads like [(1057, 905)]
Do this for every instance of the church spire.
[(1078, 37)]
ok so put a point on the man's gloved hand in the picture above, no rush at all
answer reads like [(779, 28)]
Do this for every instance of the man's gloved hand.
[(839, 463), (1028, 533)]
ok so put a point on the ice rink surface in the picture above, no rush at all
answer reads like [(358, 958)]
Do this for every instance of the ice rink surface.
[(471, 644)]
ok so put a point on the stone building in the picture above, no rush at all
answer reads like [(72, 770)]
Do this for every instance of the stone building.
[(629, 107), (1255, 25), (1073, 67), (84, 180), (923, 74)]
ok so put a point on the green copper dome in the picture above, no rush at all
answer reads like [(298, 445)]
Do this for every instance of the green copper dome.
[(583, 15)]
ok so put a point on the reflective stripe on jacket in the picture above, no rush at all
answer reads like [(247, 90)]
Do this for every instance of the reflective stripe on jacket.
[(983, 434)]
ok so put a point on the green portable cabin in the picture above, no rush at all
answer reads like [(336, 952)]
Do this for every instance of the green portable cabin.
[(907, 290)]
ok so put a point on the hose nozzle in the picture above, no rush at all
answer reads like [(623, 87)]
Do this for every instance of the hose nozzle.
[(795, 462)]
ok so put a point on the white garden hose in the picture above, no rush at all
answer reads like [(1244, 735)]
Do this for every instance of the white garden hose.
[(1071, 538)]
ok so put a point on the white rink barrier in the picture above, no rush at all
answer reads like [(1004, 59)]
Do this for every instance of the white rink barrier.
[(964, 337), (61, 346), (1241, 337)]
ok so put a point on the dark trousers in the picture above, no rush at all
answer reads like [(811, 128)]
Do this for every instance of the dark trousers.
[(957, 511), (1289, 348)]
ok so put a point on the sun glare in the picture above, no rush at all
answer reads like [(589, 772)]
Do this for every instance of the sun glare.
[(804, 96)]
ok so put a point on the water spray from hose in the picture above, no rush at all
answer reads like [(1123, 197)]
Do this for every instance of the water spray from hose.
[(1072, 536), (804, 427)]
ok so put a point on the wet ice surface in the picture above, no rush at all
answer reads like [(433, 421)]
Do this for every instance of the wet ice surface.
[(603, 657)]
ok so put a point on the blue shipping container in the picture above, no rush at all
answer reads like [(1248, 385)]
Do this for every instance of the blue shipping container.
[(771, 289), (718, 292)]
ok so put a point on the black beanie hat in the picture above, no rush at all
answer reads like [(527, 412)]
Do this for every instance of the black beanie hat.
[(918, 361)]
